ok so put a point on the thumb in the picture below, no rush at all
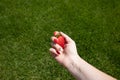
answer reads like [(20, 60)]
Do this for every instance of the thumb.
[(67, 38)]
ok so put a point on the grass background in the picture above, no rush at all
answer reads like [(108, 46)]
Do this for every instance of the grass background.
[(27, 25)]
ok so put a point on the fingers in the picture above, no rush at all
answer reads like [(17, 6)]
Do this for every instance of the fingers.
[(67, 38), (53, 52), (57, 47), (56, 50), (53, 38)]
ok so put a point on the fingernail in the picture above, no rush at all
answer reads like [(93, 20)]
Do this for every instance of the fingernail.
[(60, 49), (58, 52), (50, 49), (61, 32)]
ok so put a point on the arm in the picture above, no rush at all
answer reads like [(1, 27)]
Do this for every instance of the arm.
[(79, 68), (82, 70)]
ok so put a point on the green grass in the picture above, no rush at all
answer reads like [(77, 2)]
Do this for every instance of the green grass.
[(27, 25)]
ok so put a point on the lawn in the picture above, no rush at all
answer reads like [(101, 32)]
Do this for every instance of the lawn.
[(27, 25)]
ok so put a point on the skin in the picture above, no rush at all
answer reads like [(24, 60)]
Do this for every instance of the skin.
[(70, 59)]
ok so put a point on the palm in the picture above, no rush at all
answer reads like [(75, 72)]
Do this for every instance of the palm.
[(64, 56)]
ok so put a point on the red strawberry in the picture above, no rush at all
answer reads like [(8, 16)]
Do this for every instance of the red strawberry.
[(60, 39)]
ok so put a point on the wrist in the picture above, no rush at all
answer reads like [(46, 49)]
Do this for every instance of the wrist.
[(73, 61), (74, 66)]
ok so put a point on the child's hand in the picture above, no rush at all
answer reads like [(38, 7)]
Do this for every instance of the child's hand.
[(66, 55)]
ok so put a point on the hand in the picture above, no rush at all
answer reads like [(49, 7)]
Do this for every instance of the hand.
[(78, 67), (66, 55)]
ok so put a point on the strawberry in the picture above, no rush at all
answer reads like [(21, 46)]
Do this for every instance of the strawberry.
[(60, 39)]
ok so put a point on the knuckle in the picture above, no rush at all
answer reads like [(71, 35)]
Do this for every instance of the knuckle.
[(73, 42)]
